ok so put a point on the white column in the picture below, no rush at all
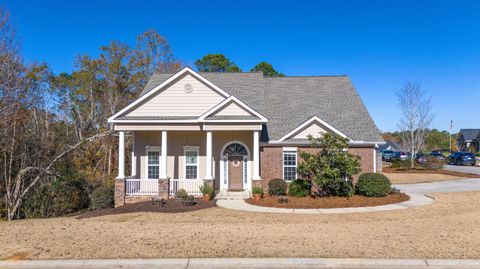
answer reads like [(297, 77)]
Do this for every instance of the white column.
[(208, 175), (375, 159), (134, 158), (256, 155), (121, 155), (163, 157)]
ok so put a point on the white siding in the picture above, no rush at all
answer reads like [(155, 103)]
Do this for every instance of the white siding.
[(232, 109), (313, 129), (175, 101)]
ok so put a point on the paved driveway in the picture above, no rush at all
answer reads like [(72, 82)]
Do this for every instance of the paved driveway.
[(472, 184), (463, 169)]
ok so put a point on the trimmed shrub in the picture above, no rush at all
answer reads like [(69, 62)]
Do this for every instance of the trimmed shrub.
[(394, 191), (102, 197), (181, 194), (277, 186), (373, 185), (405, 164), (299, 188)]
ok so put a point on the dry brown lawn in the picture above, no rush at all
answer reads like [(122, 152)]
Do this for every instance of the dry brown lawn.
[(449, 228), (409, 178)]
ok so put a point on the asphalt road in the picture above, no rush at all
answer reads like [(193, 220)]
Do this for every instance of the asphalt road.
[(463, 169)]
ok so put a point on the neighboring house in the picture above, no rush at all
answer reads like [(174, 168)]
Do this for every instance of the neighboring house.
[(233, 130), (389, 145), (469, 140)]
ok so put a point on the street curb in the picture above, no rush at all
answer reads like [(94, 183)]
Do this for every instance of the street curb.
[(201, 263)]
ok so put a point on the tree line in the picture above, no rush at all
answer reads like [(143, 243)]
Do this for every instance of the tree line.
[(55, 143)]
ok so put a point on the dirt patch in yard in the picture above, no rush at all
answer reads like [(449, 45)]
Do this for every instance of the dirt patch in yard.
[(409, 178), (428, 171), (449, 228), (420, 175), (330, 202), (171, 206)]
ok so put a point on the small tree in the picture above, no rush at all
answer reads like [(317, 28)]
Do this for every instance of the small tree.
[(331, 169), (416, 116)]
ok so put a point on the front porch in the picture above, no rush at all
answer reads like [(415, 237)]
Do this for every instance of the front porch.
[(162, 162)]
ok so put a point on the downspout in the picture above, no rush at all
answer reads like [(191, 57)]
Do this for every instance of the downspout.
[(375, 158)]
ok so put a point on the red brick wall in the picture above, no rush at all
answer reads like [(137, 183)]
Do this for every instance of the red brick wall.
[(271, 161)]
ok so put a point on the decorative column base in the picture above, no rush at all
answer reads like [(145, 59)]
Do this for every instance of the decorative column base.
[(119, 192), (256, 183), (164, 188)]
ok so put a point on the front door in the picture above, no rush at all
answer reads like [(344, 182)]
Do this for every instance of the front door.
[(235, 172)]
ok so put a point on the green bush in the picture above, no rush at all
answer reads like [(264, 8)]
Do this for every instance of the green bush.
[(340, 187), (277, 186), (257, 190), (60, 196), (329, 166), (102, 197), (181, 194), (299, 188), (373, 185), (401, 164)]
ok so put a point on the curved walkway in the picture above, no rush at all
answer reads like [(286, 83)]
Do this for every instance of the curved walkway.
[(417, 192)]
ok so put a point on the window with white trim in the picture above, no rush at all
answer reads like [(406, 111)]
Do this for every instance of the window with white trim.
[(289, 165), (191, 162), (153, 162)]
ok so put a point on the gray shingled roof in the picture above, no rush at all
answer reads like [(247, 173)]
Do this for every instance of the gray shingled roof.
[(156, 118), (470, 134), (289, 101)]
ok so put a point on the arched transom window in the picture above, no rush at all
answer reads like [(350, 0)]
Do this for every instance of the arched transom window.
[(235, 149)]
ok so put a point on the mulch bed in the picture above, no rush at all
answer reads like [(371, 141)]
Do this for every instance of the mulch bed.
[(330, 202), (172, 206), (428, 171)]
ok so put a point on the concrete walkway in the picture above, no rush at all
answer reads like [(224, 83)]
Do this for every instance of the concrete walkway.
[(417, 192), (237, 263)]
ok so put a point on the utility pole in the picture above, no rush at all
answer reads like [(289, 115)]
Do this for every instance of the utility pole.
[(450, 136)]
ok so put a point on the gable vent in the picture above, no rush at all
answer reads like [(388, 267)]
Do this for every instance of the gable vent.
[(188, 88)]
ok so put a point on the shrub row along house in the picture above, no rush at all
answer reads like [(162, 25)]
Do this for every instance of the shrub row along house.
[(233, 131)]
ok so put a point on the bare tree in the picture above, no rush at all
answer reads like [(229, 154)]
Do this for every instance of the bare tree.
[(416, 117)]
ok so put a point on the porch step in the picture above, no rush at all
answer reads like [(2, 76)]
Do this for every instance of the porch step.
[(232, 195)]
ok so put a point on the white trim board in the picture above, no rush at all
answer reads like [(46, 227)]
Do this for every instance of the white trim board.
[(236, 101), (162, 85), (307, 123)]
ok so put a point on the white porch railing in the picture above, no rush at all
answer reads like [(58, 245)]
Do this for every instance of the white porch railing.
[(192, 186), (141, 186)]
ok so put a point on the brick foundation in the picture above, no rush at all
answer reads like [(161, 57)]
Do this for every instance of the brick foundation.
[(119, 192), (137, 199)]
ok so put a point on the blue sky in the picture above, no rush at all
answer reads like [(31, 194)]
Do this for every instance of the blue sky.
[(379, 44)]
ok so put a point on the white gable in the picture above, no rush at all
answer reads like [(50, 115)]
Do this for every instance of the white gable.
[(186, 96), (232, 109), (314, 129), (313, 126)]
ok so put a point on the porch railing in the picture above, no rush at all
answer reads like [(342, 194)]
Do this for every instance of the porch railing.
[(141, 186), (192, 186), (138, 187)]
